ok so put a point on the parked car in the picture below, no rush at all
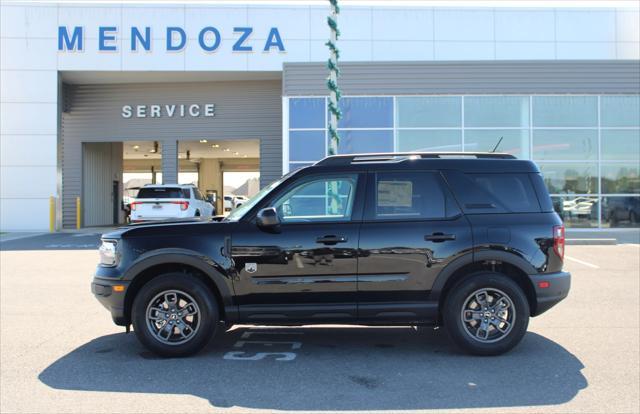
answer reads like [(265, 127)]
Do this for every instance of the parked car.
[(228, 202), (165, 201), (581, 207), (622, 209), (470, 242), (239, 200)]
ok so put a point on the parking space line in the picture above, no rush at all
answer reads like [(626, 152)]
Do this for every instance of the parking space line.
[(573, 259)]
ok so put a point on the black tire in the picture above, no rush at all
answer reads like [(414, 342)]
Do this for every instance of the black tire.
[(189, 287), (462, 295)]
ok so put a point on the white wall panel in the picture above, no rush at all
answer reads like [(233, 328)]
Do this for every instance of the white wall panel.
[(19, 54), (28, 21), (525, 25), (143, 60), (92, 58), (628, 25), (90, 17), (586, 50), (585, 25), (222, 59), (296, 51), (27, 181), (476, 24), (464, 50), (318, 28), (27, 150), (158, 17), (24, 214), (29, 86), (290, 21), (354, 24), (28, 118), (402, 24), (628, 50), (222, 18), (398, 50), (525, 50)]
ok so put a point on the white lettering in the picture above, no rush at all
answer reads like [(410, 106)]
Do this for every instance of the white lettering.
[(194, 110), (141, 111), (182, 111), (170, 110), (209, 110), (126, 111), (155, 111)]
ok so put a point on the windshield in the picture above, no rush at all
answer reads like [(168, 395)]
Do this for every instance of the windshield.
[(239, 212)]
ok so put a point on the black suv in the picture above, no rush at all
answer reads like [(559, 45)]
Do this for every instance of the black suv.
[(467, 241)]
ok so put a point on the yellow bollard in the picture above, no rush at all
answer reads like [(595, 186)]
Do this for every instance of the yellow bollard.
[(78, 211), (52, 214)]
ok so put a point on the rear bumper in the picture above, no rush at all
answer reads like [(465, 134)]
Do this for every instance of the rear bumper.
[(114, 301), (547, 297)]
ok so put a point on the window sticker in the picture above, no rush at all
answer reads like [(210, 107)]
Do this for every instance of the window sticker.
[(395, 193)]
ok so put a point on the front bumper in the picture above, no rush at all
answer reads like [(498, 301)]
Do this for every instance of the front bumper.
[(558, 288), (114, 301)]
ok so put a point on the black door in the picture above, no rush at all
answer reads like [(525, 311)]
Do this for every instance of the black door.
[(115, 191), (307, 269), (412, 229)]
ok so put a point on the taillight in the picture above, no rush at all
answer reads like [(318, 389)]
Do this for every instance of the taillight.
[(183, 204), (133, 205), (558, 241)]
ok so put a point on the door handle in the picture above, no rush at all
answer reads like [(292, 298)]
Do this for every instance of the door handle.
[(439, 237), (331, 239)]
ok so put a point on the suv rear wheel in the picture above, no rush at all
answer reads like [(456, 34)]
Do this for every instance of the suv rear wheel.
[(174, 315), (486, 313)]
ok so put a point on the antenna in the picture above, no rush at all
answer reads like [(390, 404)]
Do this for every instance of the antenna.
[(497, 145)]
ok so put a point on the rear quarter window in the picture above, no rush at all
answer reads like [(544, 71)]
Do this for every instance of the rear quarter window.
[(495, 192)]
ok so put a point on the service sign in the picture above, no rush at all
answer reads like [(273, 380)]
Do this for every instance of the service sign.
[(168, 111)]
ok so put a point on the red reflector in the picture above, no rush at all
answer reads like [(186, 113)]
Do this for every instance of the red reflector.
[(544, 285)]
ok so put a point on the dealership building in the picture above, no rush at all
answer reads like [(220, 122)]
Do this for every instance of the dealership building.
[(92, 92)]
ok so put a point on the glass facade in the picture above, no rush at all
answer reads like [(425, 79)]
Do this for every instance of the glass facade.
[(587, 146)]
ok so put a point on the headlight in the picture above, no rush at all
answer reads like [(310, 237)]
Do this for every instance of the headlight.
[(108, 254)]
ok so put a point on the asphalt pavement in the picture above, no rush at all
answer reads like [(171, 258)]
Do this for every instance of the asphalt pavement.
[(60, 352)]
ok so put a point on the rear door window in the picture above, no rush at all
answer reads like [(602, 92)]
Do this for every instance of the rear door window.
[(410, 195), (161, 192), (495, 192)]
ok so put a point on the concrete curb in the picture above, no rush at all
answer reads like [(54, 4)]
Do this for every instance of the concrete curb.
[(17, 236)]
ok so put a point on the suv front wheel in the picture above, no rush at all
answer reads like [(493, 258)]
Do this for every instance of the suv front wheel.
[(486, 313), (174, 315)]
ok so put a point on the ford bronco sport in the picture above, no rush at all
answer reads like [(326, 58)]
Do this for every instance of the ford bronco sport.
[(469, 241)]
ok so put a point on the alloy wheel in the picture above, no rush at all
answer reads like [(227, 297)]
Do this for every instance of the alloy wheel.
[(173, 317), (488, 315)]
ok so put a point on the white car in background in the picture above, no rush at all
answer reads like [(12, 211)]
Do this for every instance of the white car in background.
[(167, 201), (227, 202), (239, 200)]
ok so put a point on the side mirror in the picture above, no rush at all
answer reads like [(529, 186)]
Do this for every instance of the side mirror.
[(267, 218)]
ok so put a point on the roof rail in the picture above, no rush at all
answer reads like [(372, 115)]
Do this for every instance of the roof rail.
[(392, 157)]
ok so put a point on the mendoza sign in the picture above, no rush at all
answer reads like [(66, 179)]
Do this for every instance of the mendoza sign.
[(209, 39)]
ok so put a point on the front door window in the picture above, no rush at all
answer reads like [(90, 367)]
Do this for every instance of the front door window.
[(316, 200)]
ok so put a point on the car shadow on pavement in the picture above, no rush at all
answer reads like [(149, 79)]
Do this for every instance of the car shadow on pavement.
[(328, 368)]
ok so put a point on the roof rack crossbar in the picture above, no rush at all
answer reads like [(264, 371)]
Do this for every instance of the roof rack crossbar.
[(402, 156)]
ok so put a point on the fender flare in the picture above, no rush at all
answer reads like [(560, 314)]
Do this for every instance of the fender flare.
[(478, 256), (186, 257)]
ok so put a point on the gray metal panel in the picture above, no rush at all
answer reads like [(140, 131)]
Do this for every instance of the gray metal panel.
[(244, 110), (170, 161), (102, 163), (406, 78)]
